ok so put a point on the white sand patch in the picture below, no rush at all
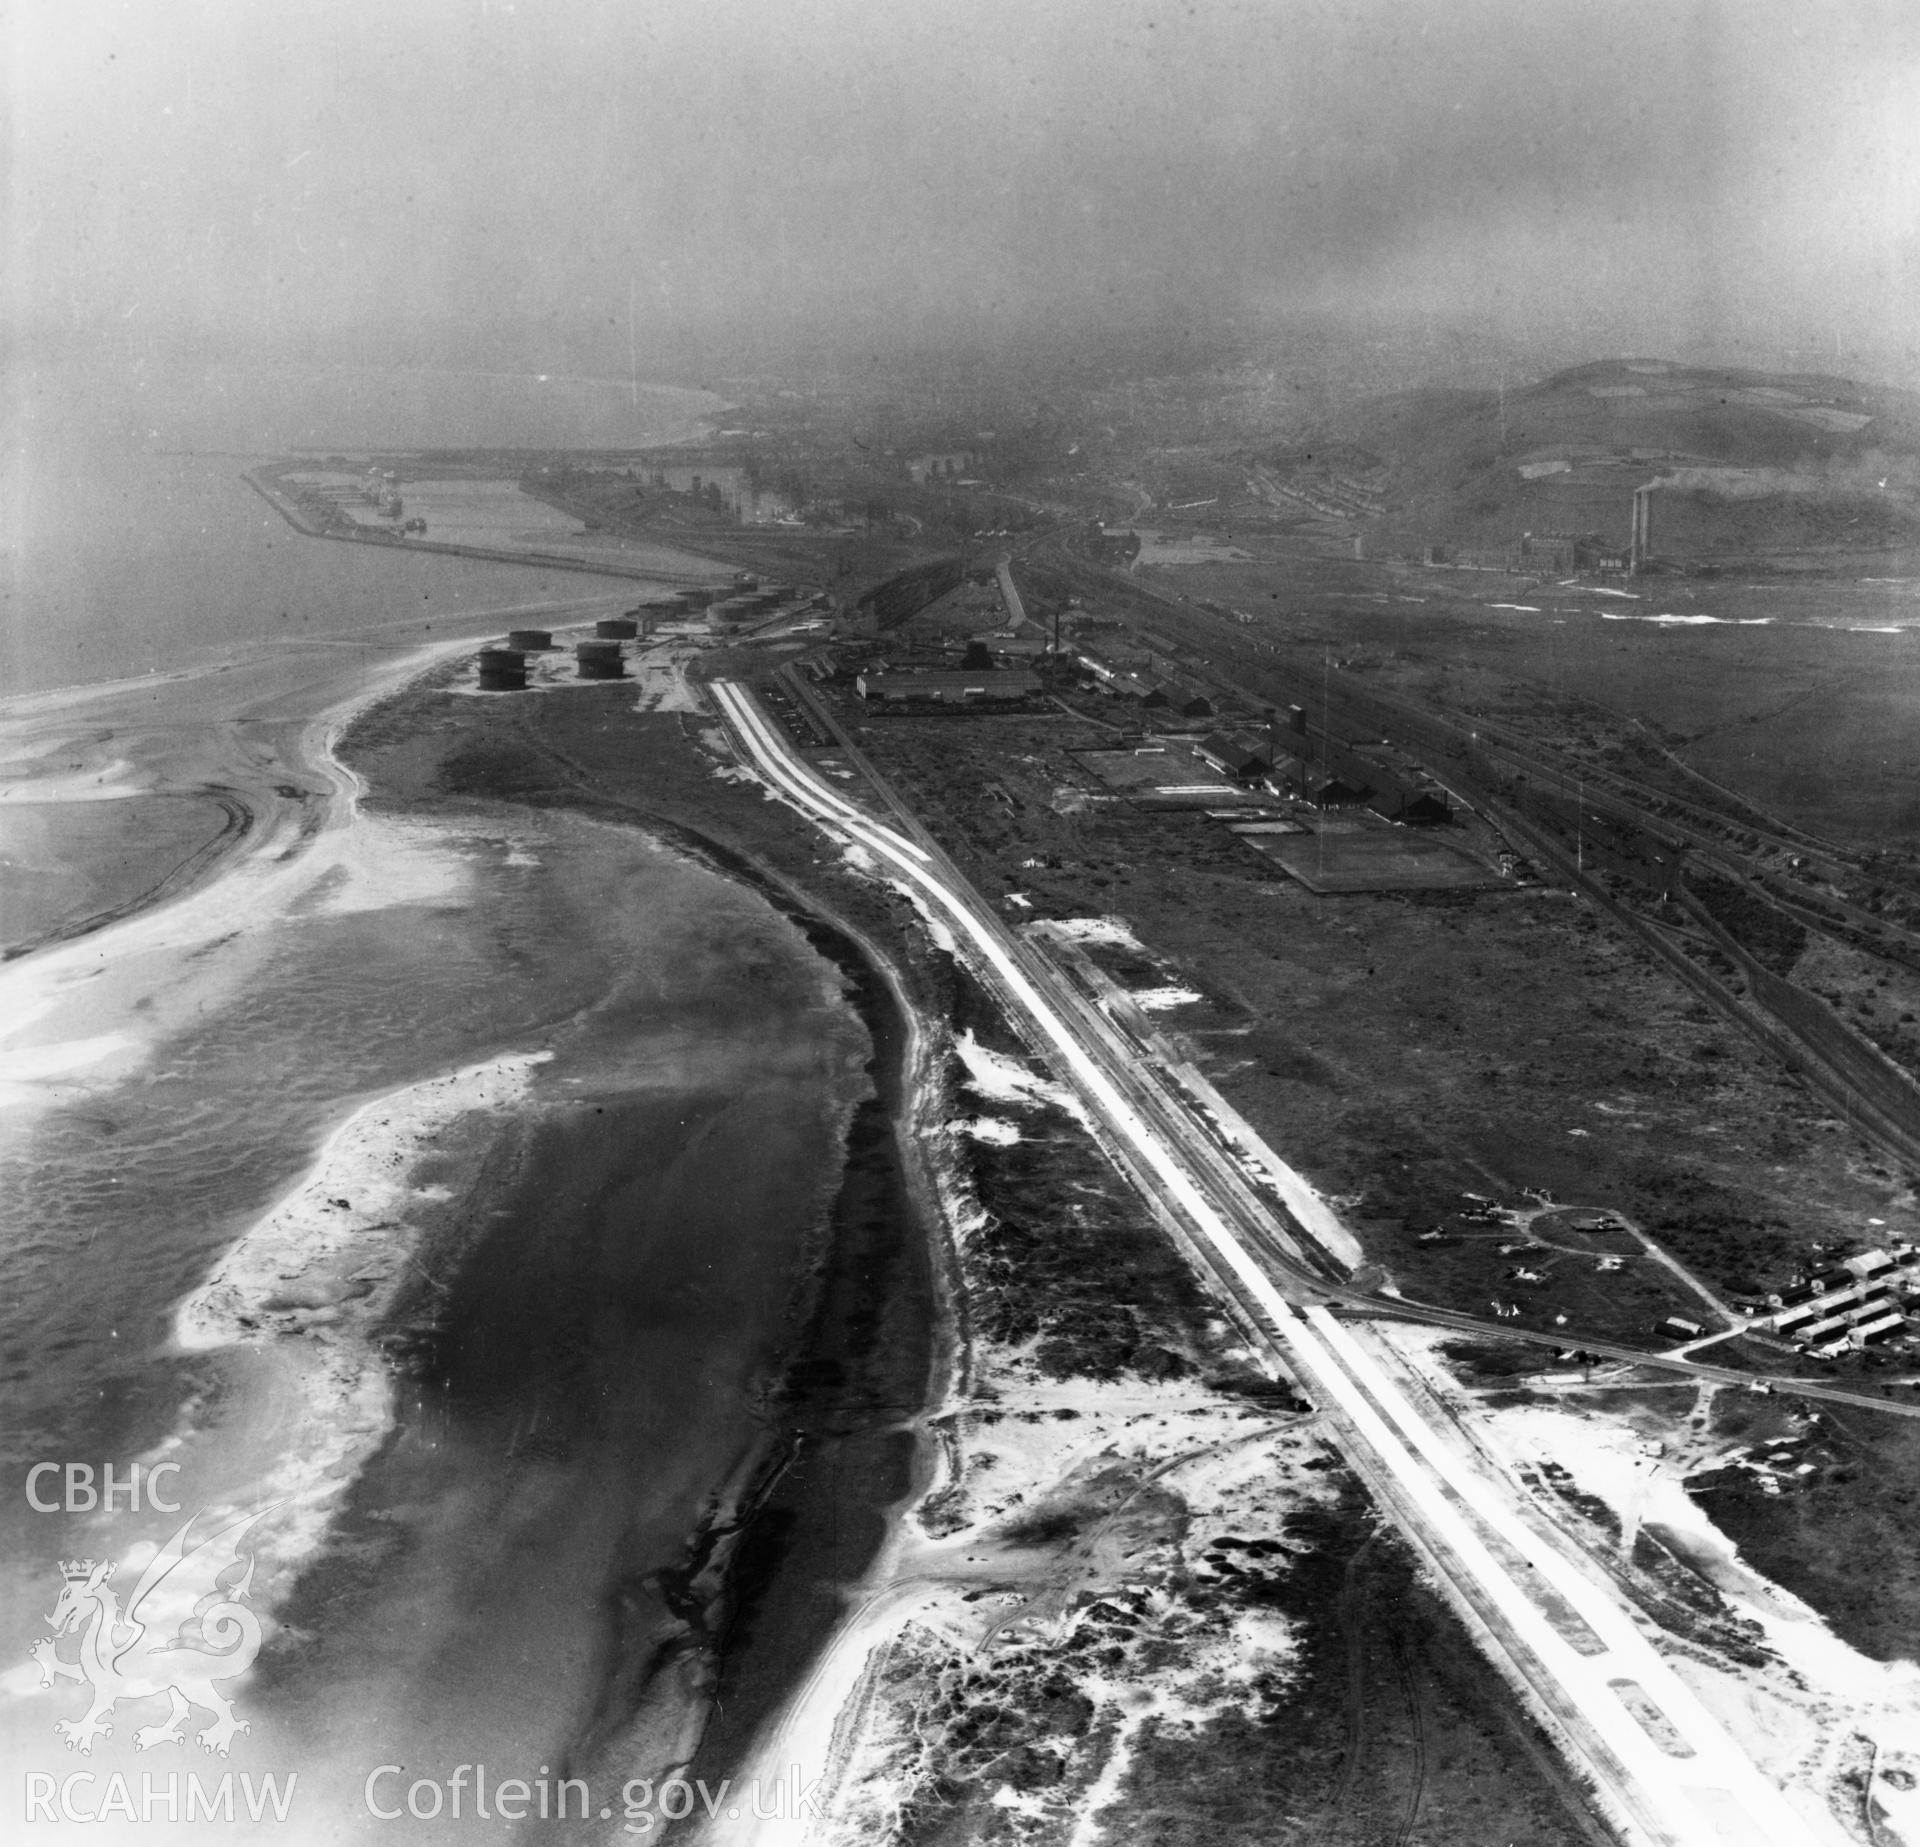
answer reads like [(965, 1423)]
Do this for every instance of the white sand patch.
[(995, 1129), (113, 782), (1112, 931), (1001, 1079), (34, 1064), (1669, 620), (386, 863), (1043, 1432), (1793, 1719), (1163, 999), (939, 933), (323, 1267), (37, 1078)]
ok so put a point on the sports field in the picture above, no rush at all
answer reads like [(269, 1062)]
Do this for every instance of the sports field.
[(1378, 859)]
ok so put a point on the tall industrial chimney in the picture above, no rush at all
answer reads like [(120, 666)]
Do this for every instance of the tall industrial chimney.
[(1640, 547)]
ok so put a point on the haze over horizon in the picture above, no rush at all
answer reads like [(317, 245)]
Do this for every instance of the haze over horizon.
[(593, 187)]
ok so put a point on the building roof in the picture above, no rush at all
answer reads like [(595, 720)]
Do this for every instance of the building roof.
[(1109, 666), (1865, 1263), (1425, 805), (1333, 793), (1234, 753), (978, 683), (1181, 698)]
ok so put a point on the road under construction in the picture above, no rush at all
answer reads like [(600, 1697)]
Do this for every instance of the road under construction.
[(1661, 1767)]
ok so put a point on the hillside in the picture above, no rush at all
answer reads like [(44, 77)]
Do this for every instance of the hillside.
[(1752, 467)]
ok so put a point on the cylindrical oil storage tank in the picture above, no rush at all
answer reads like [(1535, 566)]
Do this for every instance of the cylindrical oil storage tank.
[(503, 670), (530, 640), (599, 660), (616, 628)]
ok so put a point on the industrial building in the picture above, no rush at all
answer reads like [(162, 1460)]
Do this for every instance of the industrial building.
[(1239, 754), (992, 686), (1181, 700)]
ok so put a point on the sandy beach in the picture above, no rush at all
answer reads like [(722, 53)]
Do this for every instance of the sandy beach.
[(269, 1371), (652, 1318)]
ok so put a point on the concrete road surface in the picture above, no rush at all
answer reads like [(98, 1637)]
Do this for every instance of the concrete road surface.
[(1664, 1768)]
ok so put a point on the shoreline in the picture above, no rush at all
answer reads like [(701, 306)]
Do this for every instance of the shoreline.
[(552, 561), (257, 808), (807, 1569), (852, 1456), (861, 1542), (68, 994), (782, 1550), (296, 1305)]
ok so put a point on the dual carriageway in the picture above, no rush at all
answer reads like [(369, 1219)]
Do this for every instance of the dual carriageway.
[(1662, 1767)]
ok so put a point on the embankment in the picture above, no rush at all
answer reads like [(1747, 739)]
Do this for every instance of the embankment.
[(291, 511)]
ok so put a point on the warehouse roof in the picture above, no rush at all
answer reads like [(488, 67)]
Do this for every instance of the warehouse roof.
[(959, 683)]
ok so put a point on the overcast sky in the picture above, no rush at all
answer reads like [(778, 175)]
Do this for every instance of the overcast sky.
[(498, 183)]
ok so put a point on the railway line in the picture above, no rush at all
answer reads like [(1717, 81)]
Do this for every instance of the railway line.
[(1662, 1767), (1835, 1061)]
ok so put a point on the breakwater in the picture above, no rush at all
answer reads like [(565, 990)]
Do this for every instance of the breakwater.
[(301, 522)]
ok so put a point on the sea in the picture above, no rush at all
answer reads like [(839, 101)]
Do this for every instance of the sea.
[(425, 1198)]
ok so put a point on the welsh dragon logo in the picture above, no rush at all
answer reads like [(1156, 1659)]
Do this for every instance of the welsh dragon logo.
[(181, 1631)]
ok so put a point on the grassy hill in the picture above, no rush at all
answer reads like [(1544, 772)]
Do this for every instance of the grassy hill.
[(1752, 466)]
